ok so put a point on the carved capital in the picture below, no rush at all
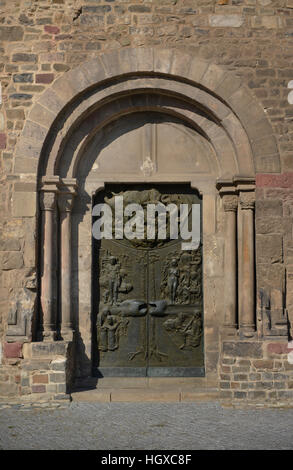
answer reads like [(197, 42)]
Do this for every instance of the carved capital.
[(247, 200), (230, 203), (65, 202), (48, 200)]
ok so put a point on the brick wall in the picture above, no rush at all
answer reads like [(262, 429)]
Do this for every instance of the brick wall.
[(41, 40), (36, 371), (257, 372)]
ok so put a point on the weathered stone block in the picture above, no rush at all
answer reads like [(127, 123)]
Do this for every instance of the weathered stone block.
[(61, 67), (50, 29), (257, 395), (9, 244), (92, 20), (12, 350), (25, 382), (23, 78), (61, 388), (48, 349), (266, 225), (58, 364), (225, 385), (11, 260), (25, 165), (264, 364), (24, 204), (285, 394), (240, 377), (3, 140), (8, 389), (269, 248), (15, 114), (278, 348), (35, 365), (269, 208), (242, 349), (40, 379), (44, 77), (58, 377), (21, 96), (240, 395), (139, 8), (24, 57), (38, 388), (266, 21), (11, 33), (226, 21)]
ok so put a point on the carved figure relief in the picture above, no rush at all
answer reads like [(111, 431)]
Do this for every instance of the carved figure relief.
[(185, 329), (144, 198), (114, 278), (110, 328), (173, 275), (181, 278)]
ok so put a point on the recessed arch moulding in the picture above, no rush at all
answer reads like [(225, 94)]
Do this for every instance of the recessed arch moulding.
[(144, 115)]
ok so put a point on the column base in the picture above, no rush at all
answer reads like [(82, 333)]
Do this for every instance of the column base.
[(49, 335), (67, 334), (247, 331)]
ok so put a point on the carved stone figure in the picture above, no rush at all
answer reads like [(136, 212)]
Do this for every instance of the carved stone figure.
[(186, 326), (173, 275), (110, 327), (181, 278), (192, 332), (113, 279)]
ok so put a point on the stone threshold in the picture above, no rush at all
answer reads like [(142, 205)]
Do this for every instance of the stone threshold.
[(160, 395), (29, 404), (145, 389)]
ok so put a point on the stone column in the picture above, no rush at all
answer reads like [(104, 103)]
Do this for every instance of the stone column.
[(247, 275), (65, 203), (48, 294), (230, 290)]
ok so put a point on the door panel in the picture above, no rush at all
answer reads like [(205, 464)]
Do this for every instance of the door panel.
[(149, 300)]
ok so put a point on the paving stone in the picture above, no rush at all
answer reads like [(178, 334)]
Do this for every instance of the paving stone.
[(124, 426)]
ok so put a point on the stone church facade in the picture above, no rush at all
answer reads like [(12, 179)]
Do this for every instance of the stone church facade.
[(159, 100)]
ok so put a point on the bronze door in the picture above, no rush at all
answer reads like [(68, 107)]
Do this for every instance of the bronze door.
[(149, 317)]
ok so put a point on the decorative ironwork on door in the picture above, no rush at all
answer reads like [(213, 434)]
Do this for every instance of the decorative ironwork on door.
[(147, 298)]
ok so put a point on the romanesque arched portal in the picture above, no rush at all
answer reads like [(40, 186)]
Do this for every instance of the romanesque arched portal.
[(147, 116)]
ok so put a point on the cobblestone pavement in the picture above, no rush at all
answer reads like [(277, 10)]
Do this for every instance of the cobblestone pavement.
[(145, 426)]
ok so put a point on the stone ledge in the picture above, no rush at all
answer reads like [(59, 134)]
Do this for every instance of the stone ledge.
[(145, 395), (45, 349)]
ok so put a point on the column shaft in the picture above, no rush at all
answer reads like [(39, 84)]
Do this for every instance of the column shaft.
[(48, 295), (247, 287), (65, 202), (230, 207)]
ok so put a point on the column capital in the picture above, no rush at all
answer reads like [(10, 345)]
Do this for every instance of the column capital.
[(247, 200), (230, 202), (48, 200), (65, 201)]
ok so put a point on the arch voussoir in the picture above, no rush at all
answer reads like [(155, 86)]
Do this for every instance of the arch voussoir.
[(220, 86)]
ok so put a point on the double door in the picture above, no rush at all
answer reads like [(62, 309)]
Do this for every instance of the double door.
[(149, 318)]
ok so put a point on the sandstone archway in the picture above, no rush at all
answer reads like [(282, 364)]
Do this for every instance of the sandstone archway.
[(180, 95)]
